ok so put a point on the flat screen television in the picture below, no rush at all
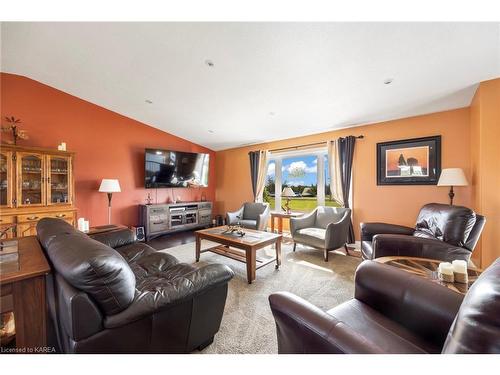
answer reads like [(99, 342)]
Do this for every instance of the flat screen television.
[(166, 169)]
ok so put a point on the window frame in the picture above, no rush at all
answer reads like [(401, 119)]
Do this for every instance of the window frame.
[(277, 158)]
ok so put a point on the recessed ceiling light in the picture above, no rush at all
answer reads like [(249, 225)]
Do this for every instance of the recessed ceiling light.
[(211, 131), (148, 101), (388, 81), (209, 63)]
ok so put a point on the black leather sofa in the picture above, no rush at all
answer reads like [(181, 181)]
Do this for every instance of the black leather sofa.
[(441, 232), (393, 312), (111, 294)]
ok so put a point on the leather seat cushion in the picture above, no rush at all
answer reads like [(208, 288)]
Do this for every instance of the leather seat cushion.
[(312, 236), (250, 224), (367, 249), (381, 331)]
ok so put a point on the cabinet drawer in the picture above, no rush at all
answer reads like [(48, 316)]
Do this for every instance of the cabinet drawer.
[(65, 215), (7, 219), (28, 218)]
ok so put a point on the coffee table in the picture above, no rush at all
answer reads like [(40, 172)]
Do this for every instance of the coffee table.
[(428, 268), (243, 249)]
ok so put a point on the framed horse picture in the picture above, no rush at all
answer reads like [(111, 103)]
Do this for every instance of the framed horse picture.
[(414, 161)]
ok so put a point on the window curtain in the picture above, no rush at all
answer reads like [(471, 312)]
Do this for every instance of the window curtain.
[(258, 163), (334, 170), (346, 158)]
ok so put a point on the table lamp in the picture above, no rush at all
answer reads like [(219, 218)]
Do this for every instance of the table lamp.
[(452, 177), (109, 186), (288, 193)]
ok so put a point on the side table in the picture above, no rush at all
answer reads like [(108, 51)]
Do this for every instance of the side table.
[(428, 268)]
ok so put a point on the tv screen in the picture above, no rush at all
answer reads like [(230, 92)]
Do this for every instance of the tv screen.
[(175, 169)]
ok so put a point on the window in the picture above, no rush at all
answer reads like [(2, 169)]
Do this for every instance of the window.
[(303, 172)]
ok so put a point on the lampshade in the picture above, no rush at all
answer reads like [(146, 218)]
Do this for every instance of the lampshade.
[(288, 192), (452, 177), (109, 186)]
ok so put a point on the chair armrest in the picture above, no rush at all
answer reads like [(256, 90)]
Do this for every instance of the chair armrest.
[(401, 245), (422, 306), (115, 238), (232, 217), (337, 233), (368, 230), (167, 293), (306, 221), (263, 219), (304, 328)]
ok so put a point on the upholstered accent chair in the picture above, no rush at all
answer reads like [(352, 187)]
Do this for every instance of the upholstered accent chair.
[(442, 232), (393, 312), (325, 228), (251, 215)]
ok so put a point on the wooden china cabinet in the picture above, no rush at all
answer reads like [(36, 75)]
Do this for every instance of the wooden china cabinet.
[(34, 183)]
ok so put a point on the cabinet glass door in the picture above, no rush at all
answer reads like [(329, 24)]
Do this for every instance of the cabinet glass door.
[(6, 179), (59, 180), (30, 173)]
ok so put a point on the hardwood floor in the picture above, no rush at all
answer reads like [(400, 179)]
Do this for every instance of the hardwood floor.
[(172, 240)]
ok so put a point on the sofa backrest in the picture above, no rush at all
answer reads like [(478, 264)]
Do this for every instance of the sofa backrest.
[(326, 215), (251, 210), (476, 328), (88, 265), (451, 224)]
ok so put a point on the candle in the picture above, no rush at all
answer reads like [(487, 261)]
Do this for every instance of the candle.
[(81, 224), (459, 266), (446, 268)]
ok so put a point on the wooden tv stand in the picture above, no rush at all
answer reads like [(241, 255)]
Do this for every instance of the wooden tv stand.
[(159, 219)]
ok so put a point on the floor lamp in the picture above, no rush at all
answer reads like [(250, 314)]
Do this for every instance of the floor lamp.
[(109, 186)]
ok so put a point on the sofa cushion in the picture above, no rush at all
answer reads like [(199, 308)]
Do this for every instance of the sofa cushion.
[(88, 265), (451, 224), (251, 211), (250, 224), (312, 236), (327, 215)]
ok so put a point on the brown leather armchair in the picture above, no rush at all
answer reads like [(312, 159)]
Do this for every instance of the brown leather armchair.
[(394, 312), (441, 232)]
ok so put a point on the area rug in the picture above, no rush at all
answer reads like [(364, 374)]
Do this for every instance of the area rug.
[(248, 325)]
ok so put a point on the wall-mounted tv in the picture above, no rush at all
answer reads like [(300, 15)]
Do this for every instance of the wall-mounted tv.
[(166, 169)]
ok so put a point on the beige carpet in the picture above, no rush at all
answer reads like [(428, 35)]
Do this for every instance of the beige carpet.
[(248, 325)]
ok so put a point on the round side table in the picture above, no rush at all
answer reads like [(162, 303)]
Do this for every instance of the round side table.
[(427, 268)]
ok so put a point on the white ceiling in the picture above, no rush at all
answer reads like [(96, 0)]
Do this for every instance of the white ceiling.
[(314, 76)]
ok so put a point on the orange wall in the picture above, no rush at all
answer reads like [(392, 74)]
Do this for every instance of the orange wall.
[(485, 156), (394, 204), (107, 145)]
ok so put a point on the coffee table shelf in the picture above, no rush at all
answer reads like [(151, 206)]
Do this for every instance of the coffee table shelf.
[(242, 249)]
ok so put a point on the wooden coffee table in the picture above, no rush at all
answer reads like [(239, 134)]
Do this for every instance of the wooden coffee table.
[(243, 249), (427, 268)]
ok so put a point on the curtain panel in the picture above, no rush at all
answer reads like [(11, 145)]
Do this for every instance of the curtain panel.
[(335, 172), (346, 156), (258, 163)]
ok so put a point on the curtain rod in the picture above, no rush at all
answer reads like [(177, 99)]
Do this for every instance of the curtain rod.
[(307, 145)]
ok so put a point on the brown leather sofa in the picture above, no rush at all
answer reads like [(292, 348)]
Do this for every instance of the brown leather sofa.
[(442, 232), (394, 312), (111, 294)]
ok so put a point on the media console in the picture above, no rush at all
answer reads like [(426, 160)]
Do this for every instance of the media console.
[(158, 219)]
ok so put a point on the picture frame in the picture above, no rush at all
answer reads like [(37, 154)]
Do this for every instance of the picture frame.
[(415, 161)]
